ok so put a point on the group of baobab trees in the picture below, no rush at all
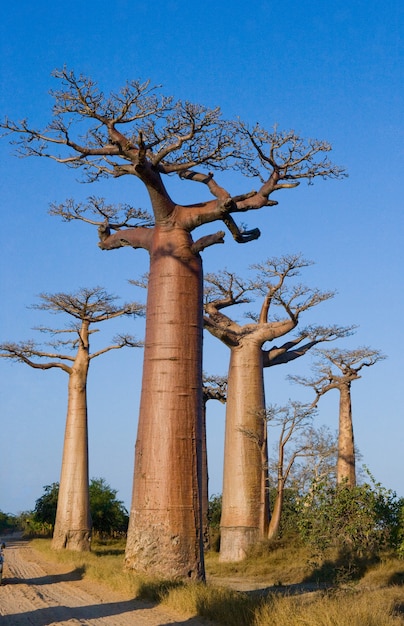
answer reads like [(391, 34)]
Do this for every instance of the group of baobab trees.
[(137, 132)]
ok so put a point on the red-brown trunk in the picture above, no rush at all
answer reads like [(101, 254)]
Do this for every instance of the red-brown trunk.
[(204, 483), (346, 472), (164, 535), (244, 515), (73, 520)]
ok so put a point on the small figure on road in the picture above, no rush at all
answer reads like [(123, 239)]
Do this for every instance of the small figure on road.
[(2, 546)]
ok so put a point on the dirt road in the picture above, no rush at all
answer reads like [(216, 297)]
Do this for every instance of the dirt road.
[(35, 592)]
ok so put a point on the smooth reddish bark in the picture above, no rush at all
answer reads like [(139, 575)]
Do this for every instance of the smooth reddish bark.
[(346, 471), (72, 529), (244, 506), (164, 535)]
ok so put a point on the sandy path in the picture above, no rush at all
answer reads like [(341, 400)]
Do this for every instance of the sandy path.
[(39, 593)]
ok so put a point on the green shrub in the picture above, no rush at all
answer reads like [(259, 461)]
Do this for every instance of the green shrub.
[(357, 523)]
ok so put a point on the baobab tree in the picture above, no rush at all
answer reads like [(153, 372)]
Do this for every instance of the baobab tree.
[(245, 510), (214, 388), (70, 352), (337, 369), (136, 132)]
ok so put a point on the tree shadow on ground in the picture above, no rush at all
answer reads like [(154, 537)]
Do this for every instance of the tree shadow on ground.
[(397, 579), (344, 568), (56, 614), (295, 589), (109, 552), (76, 574), (61, 614)]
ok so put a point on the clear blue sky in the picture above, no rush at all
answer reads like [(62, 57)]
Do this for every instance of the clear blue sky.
[(330, 70)]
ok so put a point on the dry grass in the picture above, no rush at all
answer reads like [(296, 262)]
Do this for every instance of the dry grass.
[(376, 600), (277, 565), (342, 608)]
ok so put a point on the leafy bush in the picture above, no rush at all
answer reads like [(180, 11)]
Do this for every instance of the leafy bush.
[(359, 522), (290, 512), (109, 516), (8, 523), (214, 515)]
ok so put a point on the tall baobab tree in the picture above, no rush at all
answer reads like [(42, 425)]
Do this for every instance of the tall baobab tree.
[(136, 132), (214, 388), (245, 507), (337, 369), (71, 354)]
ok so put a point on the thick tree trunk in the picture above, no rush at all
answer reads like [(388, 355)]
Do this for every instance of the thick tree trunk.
[(73, 520), (346, 472), (165, 529), (244, 518)]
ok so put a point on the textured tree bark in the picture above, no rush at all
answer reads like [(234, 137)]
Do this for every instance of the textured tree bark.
[(73, 520), (346, 472), (164, 536), (242, 523)]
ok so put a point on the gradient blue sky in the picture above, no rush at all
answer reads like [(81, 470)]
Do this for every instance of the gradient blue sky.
[(330, 70)]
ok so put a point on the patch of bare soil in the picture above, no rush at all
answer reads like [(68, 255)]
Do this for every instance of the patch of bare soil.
[(35, 592)]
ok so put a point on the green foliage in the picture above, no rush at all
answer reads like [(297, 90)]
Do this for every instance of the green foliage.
[(45, 506), (400, 531), (109, 516), (214, 515), (8, 523), (359, 522), (290, 512), (215, 511)]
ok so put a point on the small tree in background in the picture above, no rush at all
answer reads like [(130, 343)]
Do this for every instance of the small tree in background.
[(302, 458), (109, 515), (214, 515), (46, 505), (337, 369), (8, 523), (291, 420), (87, 307)]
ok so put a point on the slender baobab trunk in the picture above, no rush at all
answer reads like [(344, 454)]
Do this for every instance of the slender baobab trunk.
[(276, 512), (346, 472), (245, 499), (73, 520), (204, 482), (164, 536)]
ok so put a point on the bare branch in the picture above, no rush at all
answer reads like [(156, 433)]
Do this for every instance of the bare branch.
[(25, 352), (215, 388), (337, 367), (121, 341)]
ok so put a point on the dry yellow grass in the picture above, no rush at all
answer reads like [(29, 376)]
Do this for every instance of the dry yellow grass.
[(376, 600), (343, 608)]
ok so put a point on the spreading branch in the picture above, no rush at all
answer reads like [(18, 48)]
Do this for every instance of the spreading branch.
[(139, 132)]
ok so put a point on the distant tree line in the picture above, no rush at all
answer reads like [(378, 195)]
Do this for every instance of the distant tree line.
[(109, 515)]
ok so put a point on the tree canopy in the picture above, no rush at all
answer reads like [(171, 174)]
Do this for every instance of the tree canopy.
[(108, 514)]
